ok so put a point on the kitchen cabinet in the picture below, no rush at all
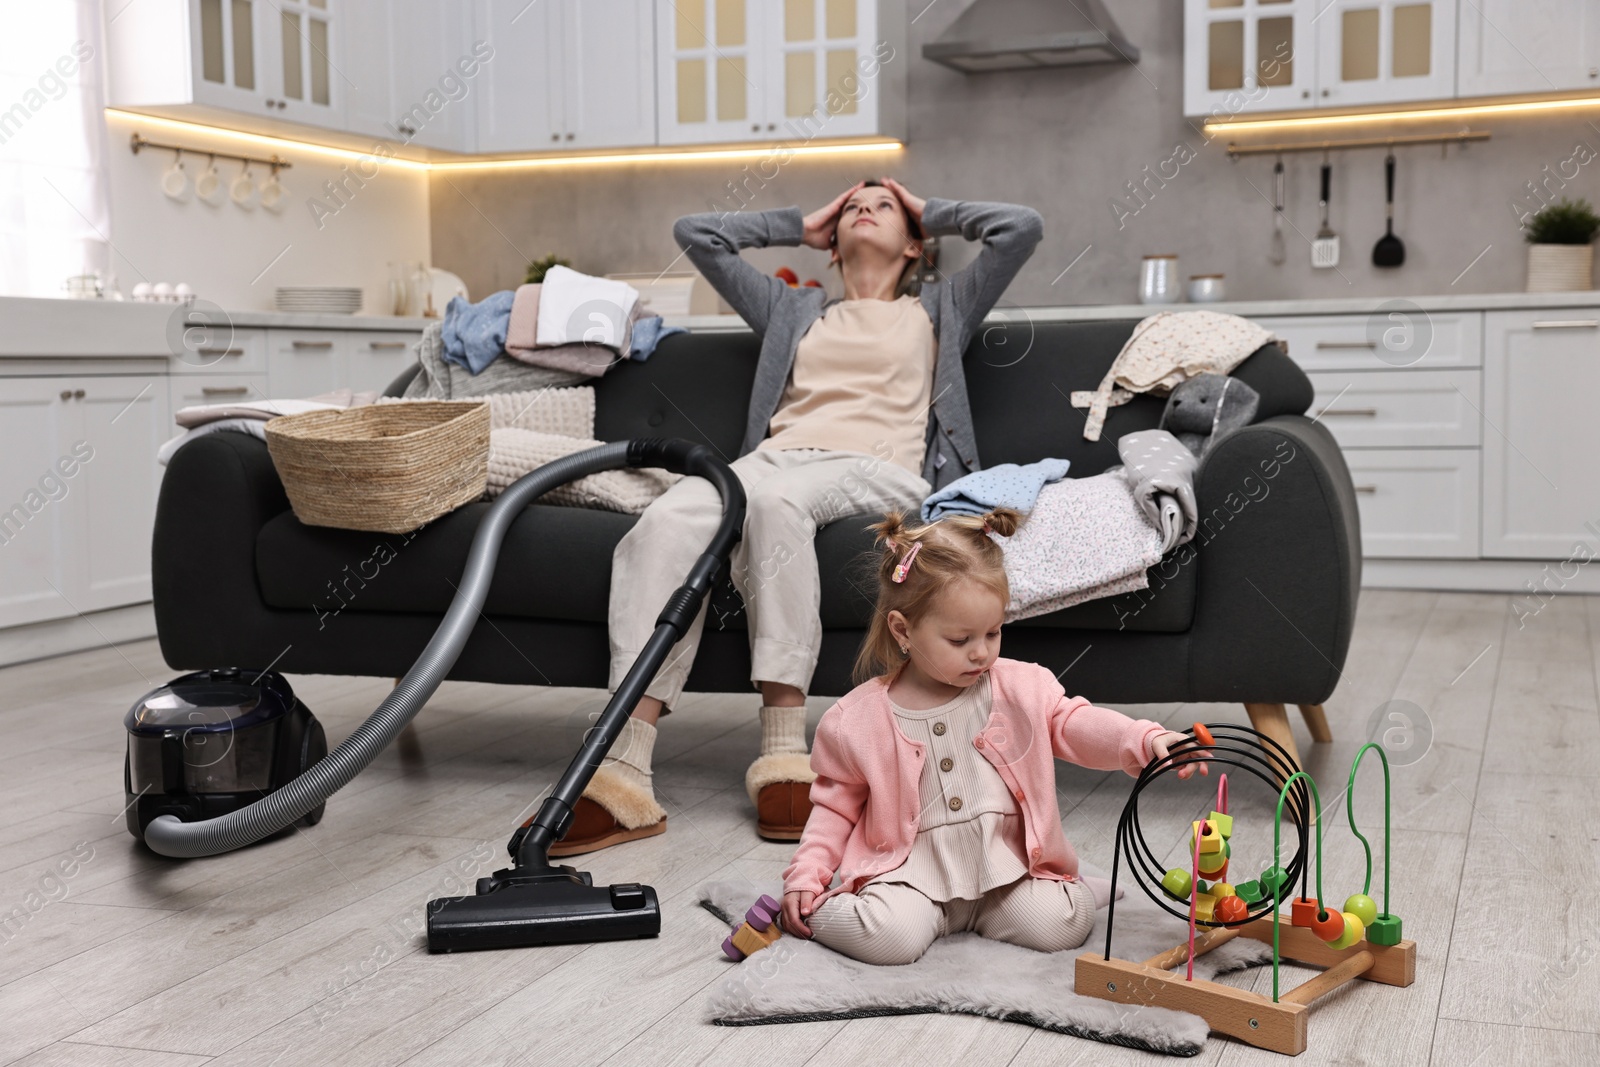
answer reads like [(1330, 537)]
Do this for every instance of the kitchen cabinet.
[(431, 101), (79, 475), (1386, 409), (1528, 46), (573, 74), (277, 58), (1277, 55), (1540, 481), (304, 363), (742, 70), (1416, 503)]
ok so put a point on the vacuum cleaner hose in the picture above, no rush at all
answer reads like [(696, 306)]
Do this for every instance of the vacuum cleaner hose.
[(170, 836)]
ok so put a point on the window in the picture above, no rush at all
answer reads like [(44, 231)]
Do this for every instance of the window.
[(54, 215)]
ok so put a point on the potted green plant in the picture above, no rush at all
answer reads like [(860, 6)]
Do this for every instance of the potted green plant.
[(1560, 248), (537, 269)]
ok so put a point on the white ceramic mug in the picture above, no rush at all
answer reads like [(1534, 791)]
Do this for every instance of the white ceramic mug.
[(209, 184), (273, 194), (1207, 288), (175, 180), (243, 189)]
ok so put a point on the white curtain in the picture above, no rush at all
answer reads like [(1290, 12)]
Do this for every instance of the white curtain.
[(54, 214)]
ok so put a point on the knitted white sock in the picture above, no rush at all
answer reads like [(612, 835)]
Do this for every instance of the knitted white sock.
[(629, 757), (783, 730)]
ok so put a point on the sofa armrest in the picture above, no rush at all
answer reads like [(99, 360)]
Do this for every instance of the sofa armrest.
[(1279, 565), (218, 492)]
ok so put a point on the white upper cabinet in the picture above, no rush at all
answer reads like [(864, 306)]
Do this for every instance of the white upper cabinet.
[(569, 74), (437, 69), (1248, 55), (1282, 55), (742, 70), (1528, 46), (273, 58), (1385, 51)]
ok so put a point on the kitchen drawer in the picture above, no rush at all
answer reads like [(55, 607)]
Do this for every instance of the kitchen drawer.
[(218, 349), (305, 363), (1399, 409), (1382, 340), (376, 359), (191, 390), (1417, 502)]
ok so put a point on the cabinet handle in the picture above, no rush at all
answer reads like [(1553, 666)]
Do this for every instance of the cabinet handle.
[(386, 344), (312, 344), (555, 137), (66, 394), (570, 136), (221, 351), (1347, 344), (77, 394), (1567, 324), (1364, 412), (1366, 489), (220, 390)]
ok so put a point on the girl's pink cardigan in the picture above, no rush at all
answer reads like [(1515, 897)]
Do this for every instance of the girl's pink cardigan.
[(866, 796)]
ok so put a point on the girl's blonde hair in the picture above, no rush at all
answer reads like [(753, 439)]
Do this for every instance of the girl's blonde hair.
[(948, 550)]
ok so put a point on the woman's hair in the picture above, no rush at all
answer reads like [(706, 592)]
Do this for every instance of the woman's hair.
[(908, 273), (950, 549)]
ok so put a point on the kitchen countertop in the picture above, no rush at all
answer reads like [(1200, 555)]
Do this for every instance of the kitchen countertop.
[(35, 327), (1360, 305)]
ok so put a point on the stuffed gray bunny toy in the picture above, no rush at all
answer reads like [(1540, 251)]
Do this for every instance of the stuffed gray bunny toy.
[(1206, 408)]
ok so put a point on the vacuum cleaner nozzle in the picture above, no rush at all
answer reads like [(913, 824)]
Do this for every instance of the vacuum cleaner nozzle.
[(524, 906)]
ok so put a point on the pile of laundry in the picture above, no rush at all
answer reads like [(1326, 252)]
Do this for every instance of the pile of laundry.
[(1086, 538)]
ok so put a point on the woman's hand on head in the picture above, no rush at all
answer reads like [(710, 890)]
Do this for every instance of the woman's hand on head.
[(1164, 743), (912, 203), (820, 224), (796, 905)]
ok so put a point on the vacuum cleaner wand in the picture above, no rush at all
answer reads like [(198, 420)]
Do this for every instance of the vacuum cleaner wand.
[(533, 902)]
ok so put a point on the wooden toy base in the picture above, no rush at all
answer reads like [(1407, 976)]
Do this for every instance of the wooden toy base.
[(1240, 1013)]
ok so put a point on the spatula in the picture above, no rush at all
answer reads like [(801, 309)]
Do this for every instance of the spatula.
[(1325, 249), (1390, 251)]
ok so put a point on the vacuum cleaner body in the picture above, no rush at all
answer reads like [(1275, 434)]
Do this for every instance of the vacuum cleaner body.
[(213, 742)]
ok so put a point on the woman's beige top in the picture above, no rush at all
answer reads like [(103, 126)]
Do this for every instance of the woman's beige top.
[(970, 837), (862, 381)]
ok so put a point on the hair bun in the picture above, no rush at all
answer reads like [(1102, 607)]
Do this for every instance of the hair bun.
[(1002, 521)]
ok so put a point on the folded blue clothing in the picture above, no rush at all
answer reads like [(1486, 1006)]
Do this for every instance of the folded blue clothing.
[(474, 335), (1004, 485), (647, 333)]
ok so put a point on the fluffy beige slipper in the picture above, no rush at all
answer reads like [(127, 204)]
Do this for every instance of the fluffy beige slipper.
[(778, 767), (631, 806)]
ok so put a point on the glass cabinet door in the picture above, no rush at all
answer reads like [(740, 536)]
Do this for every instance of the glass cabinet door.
[(226, 37), (819, 50), (1385, 51), (304, 76), (710, 70), (1248, 55)]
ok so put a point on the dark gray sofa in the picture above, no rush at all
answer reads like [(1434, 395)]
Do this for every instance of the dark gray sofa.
[(1256, 610)]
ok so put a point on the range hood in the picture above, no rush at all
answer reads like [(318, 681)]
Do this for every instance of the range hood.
[(1028, 35)]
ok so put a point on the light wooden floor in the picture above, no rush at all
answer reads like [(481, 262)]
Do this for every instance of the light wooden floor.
[(307, 950)]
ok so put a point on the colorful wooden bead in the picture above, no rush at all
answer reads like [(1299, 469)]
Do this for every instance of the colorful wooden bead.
[(1223, 889), (1224, 823), (1385, 930), (1249, 892), (1202, 735), (1205, 907), (1272, 880), (1206, 831), (1353, 929), (1202, 886), (1303, 911), (759, 929), (1327, 925), (1362, 907), (1231, 909), (1177, 883), (1220, 874), (1212, 862)]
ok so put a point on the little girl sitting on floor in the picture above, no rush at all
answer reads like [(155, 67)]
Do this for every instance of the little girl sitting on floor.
[(935, 793)]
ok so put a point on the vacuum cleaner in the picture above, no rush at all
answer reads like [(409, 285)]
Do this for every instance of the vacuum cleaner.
[(185, 811)]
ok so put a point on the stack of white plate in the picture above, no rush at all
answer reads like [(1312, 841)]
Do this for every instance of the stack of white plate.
[(327, 299)]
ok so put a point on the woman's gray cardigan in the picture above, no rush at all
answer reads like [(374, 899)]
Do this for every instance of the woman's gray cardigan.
[(780, 315)]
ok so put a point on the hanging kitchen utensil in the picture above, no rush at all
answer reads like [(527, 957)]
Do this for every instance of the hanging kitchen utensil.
[(1390, 251), (1276, 253), (1325, 249)]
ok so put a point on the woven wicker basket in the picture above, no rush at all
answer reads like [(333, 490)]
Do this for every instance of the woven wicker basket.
[(383, 467)]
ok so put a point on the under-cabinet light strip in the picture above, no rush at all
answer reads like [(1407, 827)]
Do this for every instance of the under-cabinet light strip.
[(1465, 111)]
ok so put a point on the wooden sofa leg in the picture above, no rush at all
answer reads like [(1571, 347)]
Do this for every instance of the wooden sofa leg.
[(1273, 720), (1317, 720)]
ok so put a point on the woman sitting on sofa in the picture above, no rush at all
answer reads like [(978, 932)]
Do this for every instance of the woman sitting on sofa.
[(859, 406)]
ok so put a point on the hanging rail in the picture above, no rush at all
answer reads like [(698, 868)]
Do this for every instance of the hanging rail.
[(277, 162), (1465, 136)]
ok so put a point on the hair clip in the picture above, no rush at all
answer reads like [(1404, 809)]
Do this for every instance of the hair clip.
[(905, 563)]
